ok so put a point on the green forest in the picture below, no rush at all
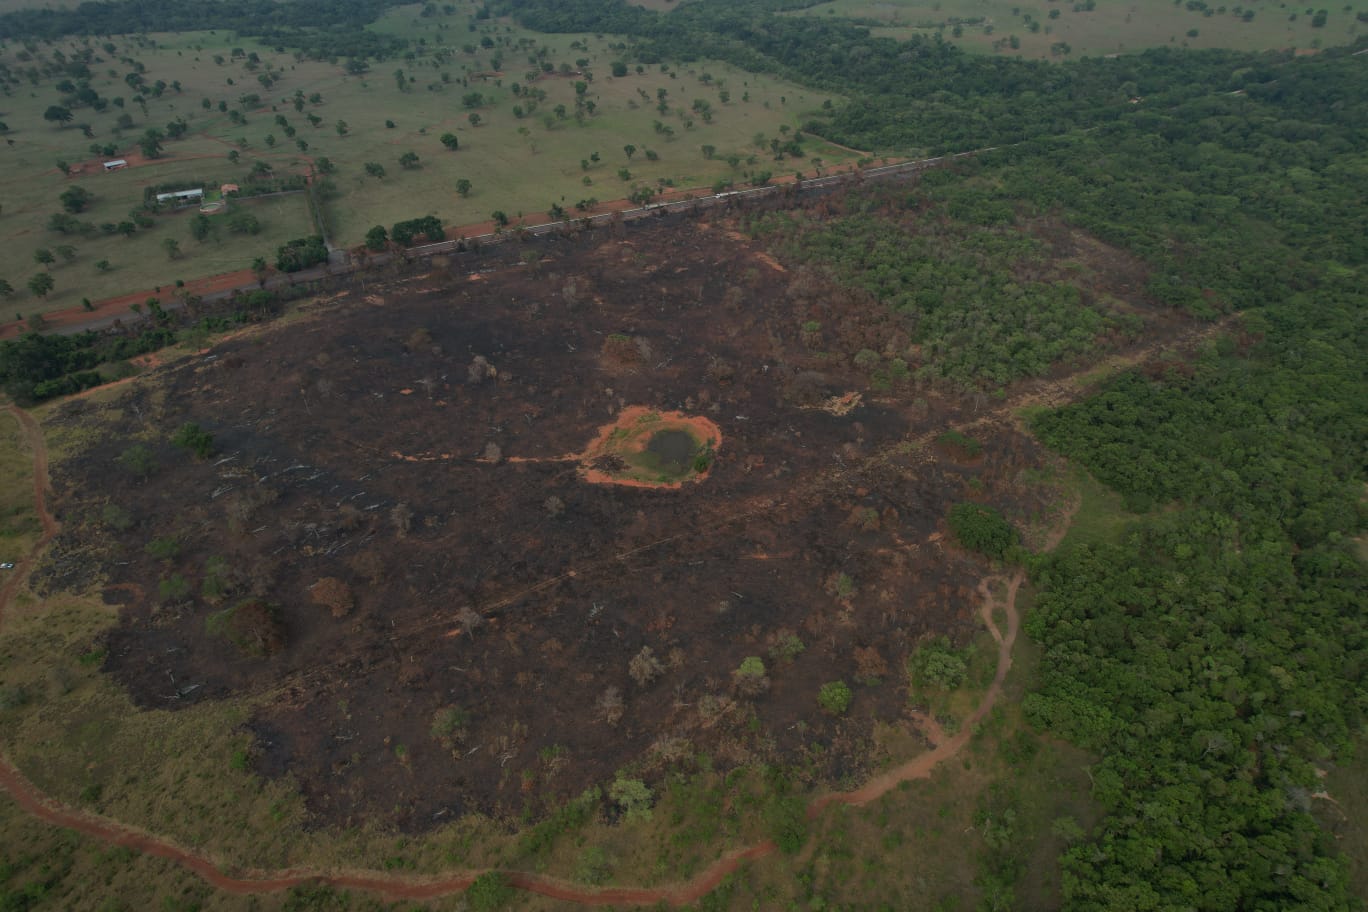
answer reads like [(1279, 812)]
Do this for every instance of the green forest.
[(1216, 655)]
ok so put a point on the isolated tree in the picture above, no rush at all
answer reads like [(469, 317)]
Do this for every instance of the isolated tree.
[(126, 228), (341, 128), (6, 289), (172, 248), (234, 155), (474, 119), (375, 169), (500, 218), (324, 165), (451, 141), (200, 226), (709, 152), (463, 187), (57, 114), (43, 257), (377, 238), (556, 211), (66, 252), (75, 199), (408, 161), (138, 460), (103, 265), (630, 150), (64, 167), (150, 143), (41, 284), (259, 267), (190, 436)]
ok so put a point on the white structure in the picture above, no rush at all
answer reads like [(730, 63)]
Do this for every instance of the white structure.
[(116, 164), (182, 197)]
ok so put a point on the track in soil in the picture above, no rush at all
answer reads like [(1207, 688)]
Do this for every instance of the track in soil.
[(33, 801)]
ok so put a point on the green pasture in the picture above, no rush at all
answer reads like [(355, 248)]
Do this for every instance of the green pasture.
[(1109, 28), (518, 165)]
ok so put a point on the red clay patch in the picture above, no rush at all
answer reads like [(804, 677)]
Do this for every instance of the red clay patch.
[(629, 436)]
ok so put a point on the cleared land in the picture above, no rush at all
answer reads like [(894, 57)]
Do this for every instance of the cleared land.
[(389, 602)]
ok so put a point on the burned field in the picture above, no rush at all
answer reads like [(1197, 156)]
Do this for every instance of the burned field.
[(399, 539)]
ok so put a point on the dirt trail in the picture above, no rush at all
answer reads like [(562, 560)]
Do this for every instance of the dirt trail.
[(35, 802)]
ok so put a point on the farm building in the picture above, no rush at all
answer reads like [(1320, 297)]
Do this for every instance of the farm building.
[(182, 197), (116, 164)]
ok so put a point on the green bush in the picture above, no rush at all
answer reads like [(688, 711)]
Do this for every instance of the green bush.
[(174, 587), (633, 796), (982, 529), (835, 697), (489, 892), (751, 667), (190, 436), (936, 664), (787, 648), (164, 548)]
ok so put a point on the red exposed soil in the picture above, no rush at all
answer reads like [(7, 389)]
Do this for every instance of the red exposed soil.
[(629, 420)]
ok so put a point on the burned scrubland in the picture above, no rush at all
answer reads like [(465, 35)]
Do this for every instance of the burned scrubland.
[(391, 540)]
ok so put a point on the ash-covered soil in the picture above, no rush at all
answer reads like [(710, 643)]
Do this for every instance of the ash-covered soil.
[(441, 615)]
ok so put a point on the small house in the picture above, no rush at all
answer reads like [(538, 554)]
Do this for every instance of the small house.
[(116, 164)]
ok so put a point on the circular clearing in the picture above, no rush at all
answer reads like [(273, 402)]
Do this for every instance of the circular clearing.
[(651, 449)]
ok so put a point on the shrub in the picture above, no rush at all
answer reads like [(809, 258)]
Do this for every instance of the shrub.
[(982, 529), (751, 667), (138, 460), (490, 891), (164, 548), (190, 436), (835, 697), (633, 796), (301, 253), (448, 724), (645, 667), (174, 587), (787, 647), (253, 626), (936, 664)]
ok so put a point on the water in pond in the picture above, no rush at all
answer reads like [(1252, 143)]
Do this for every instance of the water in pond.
[(675, 450)]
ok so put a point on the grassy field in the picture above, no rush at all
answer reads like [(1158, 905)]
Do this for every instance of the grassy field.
[(1109, 28), (517, 165), (19, 527)]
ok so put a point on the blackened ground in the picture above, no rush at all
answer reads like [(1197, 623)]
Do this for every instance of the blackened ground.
[(410, 439)]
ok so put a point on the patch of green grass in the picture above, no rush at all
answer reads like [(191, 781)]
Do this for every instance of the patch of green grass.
[(1345, 812), (19, 526), (1101, 517)]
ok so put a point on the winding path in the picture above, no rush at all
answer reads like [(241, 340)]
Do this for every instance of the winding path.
[(395, 886)]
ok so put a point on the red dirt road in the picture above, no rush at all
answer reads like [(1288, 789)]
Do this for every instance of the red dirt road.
[(35, 802), (121, 306)]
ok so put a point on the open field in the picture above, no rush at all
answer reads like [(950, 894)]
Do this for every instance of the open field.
[(1108, 28), (518, 165)]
